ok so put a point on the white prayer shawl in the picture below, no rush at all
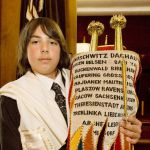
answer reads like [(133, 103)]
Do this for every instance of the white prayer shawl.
[(42, 125)]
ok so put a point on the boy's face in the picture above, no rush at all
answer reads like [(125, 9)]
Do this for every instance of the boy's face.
[(43, 54)]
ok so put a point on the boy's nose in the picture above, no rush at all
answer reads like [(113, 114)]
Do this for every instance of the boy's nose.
[(44, 48)]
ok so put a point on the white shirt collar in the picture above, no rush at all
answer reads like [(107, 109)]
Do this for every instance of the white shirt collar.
[(48, 81)]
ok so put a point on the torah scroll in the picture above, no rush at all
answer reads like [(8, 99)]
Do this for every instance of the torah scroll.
[(97, 99)]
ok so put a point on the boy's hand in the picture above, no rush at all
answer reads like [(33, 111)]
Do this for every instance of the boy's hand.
[(131, 128)]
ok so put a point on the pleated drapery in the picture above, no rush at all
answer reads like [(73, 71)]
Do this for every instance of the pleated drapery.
[(54, 9)]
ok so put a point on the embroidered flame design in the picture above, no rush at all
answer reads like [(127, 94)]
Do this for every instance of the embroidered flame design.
[(76, 139), (88, 141)]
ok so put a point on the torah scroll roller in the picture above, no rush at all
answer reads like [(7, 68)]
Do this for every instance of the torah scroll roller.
[(95, 29), (118, 22)]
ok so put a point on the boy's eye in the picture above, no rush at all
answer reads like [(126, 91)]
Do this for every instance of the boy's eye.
[(53, 42), (34, 41)]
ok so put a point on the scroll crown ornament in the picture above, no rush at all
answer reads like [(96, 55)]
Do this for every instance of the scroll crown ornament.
[(118, 20), (95, 26)]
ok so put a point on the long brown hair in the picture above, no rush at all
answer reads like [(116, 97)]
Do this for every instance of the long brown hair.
[(51, 29)]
